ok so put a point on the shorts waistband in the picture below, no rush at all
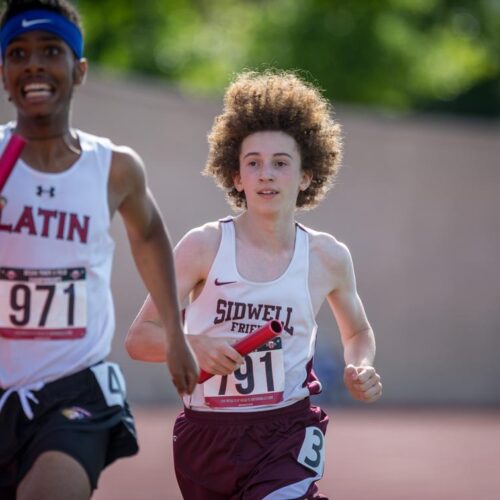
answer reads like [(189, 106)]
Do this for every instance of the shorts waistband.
[(80, 375), (225, 418), (77, 377), (27, 392)]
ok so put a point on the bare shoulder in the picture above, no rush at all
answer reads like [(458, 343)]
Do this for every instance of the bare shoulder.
[(127, 175), (200, 244), (330, 265), (332, 253), (126, 162), (206, 237)]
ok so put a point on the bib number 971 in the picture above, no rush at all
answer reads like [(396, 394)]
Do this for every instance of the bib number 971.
[(22, 298), (43, 303)]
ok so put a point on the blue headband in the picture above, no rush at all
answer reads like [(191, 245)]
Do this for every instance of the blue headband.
[(43, 20)]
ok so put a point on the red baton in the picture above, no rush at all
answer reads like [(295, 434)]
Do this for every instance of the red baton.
[(10, 155), (251, 342)]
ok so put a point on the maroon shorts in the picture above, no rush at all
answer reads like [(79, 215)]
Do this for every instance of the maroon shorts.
[(276, 454)]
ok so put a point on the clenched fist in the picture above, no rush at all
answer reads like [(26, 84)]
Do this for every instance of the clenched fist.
[(363, 383)]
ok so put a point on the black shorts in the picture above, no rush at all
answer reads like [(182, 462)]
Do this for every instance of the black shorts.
[(73, 415), (250, 456)]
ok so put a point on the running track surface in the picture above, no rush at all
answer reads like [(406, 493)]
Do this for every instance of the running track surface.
[(371, 454)]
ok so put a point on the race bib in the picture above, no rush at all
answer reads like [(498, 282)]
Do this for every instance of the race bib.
[(47, 304), (112, 383), (312, 452), (260, 381)]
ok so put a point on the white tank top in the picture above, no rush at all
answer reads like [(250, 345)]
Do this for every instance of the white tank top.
[(56, 309), (231, 307)]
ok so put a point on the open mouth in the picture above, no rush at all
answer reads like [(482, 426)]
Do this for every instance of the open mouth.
[(267, 192), (37, 91)]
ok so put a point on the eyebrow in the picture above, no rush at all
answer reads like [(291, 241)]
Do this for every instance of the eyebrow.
[(275, 154), (46, 37)]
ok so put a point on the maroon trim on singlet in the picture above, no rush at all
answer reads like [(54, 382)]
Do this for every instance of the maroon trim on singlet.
[(312, 381), (300, 226)]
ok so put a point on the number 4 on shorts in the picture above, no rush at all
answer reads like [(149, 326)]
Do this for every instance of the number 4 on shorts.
[(312, 453), (111, 381)]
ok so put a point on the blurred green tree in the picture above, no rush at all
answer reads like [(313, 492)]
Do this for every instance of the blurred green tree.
[(396, 54)]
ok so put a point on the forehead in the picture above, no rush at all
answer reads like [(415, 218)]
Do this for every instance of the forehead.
[(269, 141), (36, 36)]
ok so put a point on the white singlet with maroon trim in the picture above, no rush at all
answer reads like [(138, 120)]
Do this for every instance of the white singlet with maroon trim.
[(230, 306), (56, 309)]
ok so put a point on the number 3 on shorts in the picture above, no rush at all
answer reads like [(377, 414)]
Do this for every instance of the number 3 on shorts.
[(111, 381), (312, 453)]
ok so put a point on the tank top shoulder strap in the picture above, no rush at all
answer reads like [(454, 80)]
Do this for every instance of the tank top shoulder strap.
[(98, 149), (224, 264), (301, 243), (301, 253)]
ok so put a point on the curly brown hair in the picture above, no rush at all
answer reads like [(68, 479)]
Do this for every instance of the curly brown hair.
[(275, 101)]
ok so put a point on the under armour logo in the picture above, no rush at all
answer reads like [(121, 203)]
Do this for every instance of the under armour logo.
[(51, 191)]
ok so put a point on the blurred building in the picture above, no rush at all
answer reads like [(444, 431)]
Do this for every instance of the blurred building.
[(417, 202)]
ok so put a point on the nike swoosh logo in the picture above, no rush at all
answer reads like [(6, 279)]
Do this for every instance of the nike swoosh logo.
[(27, 24), (220, 283)]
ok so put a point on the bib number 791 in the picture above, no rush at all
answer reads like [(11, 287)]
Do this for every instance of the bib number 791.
[(248, 375), (260, 381)]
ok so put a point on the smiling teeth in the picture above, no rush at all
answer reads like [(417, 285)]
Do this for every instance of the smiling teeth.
[(37, 90), (36, 87)]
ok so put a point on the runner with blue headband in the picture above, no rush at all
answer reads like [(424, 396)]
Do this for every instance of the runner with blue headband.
[(64, 416)]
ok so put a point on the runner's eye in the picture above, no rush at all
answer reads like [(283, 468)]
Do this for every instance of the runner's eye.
[(15, 53), (53, 50)]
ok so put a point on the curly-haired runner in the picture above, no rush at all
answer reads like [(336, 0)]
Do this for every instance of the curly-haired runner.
[(251, 432), (280, 102), (63, 412)]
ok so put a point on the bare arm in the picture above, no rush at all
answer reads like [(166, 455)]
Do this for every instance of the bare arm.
[(358, 339), (355, 331), (152, 252), (193, 257)]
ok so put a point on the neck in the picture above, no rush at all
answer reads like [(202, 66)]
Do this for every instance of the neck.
[(50, 149), (43, 126), (275, 233), (46, 137)]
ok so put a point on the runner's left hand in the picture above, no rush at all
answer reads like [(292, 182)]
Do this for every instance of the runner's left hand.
[(363, 383)]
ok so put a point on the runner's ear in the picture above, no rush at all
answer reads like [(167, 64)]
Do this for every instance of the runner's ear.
[(237, 182), (80, 71), (307, 176), (3, 78)]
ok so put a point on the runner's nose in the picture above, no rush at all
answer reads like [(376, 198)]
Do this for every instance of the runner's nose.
[(266, 171), (35, 61)]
